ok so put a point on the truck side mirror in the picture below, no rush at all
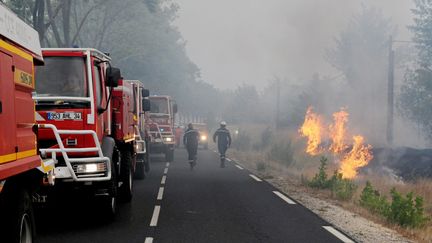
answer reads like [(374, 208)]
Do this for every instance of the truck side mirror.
[(175, 108), (146, 105), (113, 76), (145, 93)]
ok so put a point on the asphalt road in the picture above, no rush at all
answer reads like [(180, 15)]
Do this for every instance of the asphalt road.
[(175, 204)]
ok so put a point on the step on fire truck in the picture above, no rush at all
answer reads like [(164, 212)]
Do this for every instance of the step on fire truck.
[(21, 169), (161, 123), (142, 135), (89, 112)]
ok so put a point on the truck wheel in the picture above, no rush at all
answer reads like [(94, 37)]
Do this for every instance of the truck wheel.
[(109, 202), (169, 155), (139, 170), (147, 158), (18, 220), (126, 189)]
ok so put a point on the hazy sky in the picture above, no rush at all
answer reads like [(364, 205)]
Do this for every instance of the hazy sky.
[(250, 41)]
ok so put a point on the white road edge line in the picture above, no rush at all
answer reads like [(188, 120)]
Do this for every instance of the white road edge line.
[(160, 193), (163, 180), (148, 240), (155, 217), (285, 198), (229, 160), (338, 234), (167, 164), (255, 177), (166, 171), (238, 166)]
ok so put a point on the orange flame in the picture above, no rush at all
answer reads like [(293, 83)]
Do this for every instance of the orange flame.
[(338, 131), (359, 156), (312, 129)]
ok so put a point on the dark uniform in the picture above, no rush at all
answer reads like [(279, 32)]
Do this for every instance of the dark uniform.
[(190, 140), (223, 139)]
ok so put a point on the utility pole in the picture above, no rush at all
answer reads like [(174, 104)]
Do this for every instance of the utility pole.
[(390, 94), (277, 102)]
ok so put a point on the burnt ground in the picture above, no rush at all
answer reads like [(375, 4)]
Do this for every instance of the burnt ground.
[(404, 162)]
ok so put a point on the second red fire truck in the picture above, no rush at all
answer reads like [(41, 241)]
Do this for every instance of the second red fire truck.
[(87, 111)]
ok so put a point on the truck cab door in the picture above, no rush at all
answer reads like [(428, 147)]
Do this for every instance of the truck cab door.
[(100, 101), (8, 140)]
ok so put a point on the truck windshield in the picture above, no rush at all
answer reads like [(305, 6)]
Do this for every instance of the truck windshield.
[(61, 76), (158, 105)]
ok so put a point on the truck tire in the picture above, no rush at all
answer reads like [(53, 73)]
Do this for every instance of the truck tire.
[(18, 220), (147, 158), (169, 155), (126, 190), (108, 203), (139, 171)]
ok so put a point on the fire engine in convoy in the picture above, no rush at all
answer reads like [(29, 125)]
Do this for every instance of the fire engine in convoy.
[(142, 135), (21, 168), (161, 123), (87, 113)]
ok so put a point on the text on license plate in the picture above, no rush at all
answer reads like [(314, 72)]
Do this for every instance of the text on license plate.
[(64, 116)]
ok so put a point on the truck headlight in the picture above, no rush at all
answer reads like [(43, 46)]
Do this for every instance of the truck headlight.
[(91, 168), (203, 137), (169, 139)]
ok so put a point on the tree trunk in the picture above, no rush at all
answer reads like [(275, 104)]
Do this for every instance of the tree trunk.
[(66, 10)]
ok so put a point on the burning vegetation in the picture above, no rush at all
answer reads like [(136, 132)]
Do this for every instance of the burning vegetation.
[(316, 132), (313, 130)]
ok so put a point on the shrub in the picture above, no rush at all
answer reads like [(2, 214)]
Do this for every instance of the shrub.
[(282, 152), (242, 142), (261, 166), (320, 179), (405, 210), (266, 137), (342, 189), (373, 201)]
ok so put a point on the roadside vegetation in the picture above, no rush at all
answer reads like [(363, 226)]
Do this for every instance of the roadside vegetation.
[(405, 206)]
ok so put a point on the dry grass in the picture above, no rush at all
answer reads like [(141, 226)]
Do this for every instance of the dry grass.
[(306, 166)]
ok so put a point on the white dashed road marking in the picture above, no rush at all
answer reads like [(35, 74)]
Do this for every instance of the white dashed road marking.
[(148, 240), (229, 160), (167, 164), (285, 198), (163, 180), (155, 217), (338, 234), (160, 193), (255, 177), (166, 171), (238, 166)]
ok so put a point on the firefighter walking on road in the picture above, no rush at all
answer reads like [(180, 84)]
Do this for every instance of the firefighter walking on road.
[(224, 141), (190, 140)]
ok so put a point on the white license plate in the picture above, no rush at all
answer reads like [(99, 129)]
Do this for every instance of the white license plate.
[(64, 116)]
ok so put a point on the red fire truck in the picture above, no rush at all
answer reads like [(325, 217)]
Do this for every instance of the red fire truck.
[(88, 116), (20, 164), (142, 135), (161, 123)]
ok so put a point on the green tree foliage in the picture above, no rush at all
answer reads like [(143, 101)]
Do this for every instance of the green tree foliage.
[(361, 49), (372, 200), (422, 30), (360, 54), (405, 211), (415, 100), (139, 35)]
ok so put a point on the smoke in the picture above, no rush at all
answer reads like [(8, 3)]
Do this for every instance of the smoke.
[(250, 41)]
